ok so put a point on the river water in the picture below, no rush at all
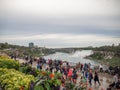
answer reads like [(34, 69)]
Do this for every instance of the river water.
[(73, 58)]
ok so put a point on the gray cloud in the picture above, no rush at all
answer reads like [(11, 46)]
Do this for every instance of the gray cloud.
[(79, 17), (104, 26)]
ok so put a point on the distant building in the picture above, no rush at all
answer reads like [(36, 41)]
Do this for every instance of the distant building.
[(31, 44)]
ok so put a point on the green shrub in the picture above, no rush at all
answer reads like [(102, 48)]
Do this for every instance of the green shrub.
[(11, 79), (6, 62)]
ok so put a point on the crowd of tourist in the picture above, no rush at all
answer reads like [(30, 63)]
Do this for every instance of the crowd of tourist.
[(71, 73)]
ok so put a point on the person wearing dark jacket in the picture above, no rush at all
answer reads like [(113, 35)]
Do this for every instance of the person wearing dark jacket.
[(96, 78)]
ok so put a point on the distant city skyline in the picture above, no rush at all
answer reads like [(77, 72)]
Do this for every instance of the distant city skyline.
[(60, 23)]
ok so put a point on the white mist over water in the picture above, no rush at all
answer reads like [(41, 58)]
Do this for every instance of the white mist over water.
[(82, 54), (76, 57)]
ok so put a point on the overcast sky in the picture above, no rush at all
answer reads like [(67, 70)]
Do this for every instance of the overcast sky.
[(60, 23)]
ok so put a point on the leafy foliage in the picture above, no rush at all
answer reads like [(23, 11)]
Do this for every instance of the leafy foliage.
[(47, 81), (6, 62), (11, 79)]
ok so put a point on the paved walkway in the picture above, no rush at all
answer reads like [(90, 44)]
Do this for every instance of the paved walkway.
[(105, 80)]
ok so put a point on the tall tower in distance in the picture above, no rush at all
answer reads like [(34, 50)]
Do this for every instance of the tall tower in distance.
[(31, 44)]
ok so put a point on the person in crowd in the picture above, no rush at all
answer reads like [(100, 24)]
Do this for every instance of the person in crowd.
[(82, 79), (26, 58), (74, 76), (89, 65), (70, 73), (62, 84), (81, 67), (83, 72), (114, 81), (31, 85), (44, 67), (85, 67), (101, 68), (38, 66), (32, 72), (90, 77), (65, 70), (115, 78), (31, 60), (114, 87), (96, 78), (64, 64), (118, 85), (86, 74)]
